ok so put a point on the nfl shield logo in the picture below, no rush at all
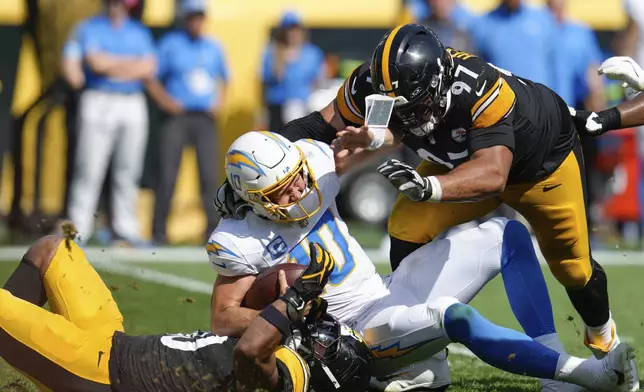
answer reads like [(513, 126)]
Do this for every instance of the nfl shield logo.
[(458, 135)]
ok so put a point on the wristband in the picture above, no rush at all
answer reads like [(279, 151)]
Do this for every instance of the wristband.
[(294, 305), (437, 189), (278, 320), (611, 119), (378, 137)]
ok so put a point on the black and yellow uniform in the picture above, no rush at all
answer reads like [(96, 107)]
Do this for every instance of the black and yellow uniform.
[(80, 344), (491, 107)]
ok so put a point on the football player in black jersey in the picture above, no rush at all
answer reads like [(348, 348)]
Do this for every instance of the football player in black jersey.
[(80, 345), (487, 137)]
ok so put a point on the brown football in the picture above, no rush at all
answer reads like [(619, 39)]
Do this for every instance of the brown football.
[(266, 288)]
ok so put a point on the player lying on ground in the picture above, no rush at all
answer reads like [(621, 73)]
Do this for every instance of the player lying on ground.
[(486, 137), (412, 314), (625, 115), (80, 344)]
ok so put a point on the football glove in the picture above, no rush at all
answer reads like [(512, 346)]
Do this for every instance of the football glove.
[(228, 203), (624, 69), (406, 180), (595, 124), (311, 283)]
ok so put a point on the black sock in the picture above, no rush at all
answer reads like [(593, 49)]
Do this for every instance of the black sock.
[(591, 301), (25, 283), (399, 250)]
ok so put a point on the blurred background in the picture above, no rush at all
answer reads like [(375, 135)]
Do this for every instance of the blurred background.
[(134, 157)]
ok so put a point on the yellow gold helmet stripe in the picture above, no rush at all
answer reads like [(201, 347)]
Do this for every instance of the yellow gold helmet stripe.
[(386, 77)]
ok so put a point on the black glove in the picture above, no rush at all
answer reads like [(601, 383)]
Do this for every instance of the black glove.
[(311, 283), (406, 180), (596, 123), (318, 310), (228, 203)]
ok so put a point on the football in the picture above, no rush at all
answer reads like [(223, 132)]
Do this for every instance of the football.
[(266, 288)]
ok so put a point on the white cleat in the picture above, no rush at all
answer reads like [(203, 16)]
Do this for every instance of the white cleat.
[(426, 375), (616, 372)]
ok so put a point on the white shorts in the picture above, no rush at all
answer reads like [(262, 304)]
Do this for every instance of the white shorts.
[(407, 324)]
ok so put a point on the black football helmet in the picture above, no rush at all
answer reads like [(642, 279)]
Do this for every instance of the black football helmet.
[(412, 65), (338, 357)]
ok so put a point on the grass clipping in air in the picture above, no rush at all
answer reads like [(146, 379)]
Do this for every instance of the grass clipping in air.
[(69, 233)]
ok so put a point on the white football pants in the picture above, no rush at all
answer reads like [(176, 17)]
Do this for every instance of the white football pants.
[(405, 328)]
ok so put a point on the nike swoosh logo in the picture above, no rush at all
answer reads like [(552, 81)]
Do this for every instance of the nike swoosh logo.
[(222, 265), (100, 355), (480, 92), (353, 87), (550, 187)]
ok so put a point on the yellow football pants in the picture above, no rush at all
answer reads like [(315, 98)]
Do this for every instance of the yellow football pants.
[(67, 349), (554, 207)]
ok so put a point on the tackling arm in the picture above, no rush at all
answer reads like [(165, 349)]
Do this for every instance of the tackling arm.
[(228, 317), (631, 113), (254, 353), (484, 175)]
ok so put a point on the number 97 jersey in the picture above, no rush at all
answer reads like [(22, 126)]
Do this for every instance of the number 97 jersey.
[(487, 107), (251, 245)]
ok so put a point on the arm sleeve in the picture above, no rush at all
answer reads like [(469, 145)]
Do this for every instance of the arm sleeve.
[(501, 134), (492, 114), (350, 98), (312, 126)]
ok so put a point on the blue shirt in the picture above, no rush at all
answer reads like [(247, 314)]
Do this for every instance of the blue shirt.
[(521, 41), (576, 52), (298, 79), (191, 69), (99, 35), (461, 17)]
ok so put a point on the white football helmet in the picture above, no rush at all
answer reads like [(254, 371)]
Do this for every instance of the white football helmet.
[(261, 163)]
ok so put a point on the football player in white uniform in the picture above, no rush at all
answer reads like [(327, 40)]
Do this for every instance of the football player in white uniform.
[(410, 315)]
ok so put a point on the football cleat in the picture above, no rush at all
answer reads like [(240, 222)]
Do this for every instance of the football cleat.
[(616, 372), (429, 375)]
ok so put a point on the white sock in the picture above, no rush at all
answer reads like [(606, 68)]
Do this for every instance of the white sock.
[(551, 341), (576, 370), (602, 334)]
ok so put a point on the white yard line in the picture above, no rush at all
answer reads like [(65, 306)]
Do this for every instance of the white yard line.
[(150, 275)]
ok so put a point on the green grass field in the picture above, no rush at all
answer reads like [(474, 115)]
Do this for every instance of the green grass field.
[(154, 308)]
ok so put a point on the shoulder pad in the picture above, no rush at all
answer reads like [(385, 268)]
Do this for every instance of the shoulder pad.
[(315, 147), (350, 97), (225, 256), (481, 89)]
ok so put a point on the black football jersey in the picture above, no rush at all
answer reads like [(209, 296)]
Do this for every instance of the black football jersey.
[(488, 107), (200, 361)]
